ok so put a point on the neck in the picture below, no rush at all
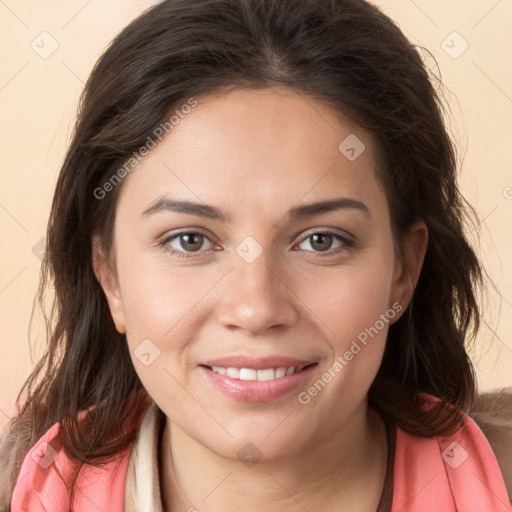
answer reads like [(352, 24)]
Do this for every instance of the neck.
[(348, 466)]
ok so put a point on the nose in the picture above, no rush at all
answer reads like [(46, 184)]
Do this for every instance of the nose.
[(257, 296)]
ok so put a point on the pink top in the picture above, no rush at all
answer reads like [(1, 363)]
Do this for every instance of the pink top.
[(458, 473)]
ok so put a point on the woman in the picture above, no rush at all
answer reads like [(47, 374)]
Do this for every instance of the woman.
[(207, 352)]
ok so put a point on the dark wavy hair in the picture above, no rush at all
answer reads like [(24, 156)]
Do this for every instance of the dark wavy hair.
[(345, 52)]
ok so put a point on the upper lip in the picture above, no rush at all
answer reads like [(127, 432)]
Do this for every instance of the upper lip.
[(257, 363)]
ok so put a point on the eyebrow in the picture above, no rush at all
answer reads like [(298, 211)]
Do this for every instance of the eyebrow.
[(295, 213)]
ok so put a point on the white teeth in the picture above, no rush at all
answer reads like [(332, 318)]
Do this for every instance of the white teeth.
[(248, 374), (269, 374), (280, 372), (234, 373), (252, 374)]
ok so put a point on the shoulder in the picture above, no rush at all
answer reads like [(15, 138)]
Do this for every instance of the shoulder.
[(493, 414), (450, 473), (46, 472), (40, 485)]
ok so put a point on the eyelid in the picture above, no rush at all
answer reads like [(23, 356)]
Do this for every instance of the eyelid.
[(347, 242), (193, 230), (307, 233), (328, 231)]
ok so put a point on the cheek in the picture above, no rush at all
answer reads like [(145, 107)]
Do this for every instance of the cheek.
[(353, 304), (161, 306), (158, 299)]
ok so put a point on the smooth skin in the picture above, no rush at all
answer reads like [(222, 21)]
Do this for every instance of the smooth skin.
[(254, 155)]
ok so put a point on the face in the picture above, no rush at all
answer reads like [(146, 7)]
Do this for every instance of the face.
[(251, 314)]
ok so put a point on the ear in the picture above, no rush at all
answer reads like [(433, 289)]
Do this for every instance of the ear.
[(107, 278), (408, 266)]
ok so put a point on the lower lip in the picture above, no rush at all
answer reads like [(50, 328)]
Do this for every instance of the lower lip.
[(255, 390)]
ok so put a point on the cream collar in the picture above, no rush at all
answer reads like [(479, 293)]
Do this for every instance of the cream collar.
[(142, 489)]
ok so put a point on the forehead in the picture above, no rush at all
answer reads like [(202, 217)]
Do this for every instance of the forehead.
[(248, 148)]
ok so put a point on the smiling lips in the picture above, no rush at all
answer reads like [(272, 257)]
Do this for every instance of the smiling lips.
[(253, 374), (260, 368), (256, 379)]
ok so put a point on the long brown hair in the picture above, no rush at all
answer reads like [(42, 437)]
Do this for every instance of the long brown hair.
[(345, 52)]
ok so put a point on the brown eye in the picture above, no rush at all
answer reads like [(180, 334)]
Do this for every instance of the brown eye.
[(322, 242), (187, 242), (191, 241)]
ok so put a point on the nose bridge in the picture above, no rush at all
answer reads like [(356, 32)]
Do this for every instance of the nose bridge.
[(255, 295), (256, 273)]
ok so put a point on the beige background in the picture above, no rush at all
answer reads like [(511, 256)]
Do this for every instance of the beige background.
[(38, 98)]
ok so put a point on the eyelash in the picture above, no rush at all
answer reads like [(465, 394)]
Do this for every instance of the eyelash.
[(345, 246)]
